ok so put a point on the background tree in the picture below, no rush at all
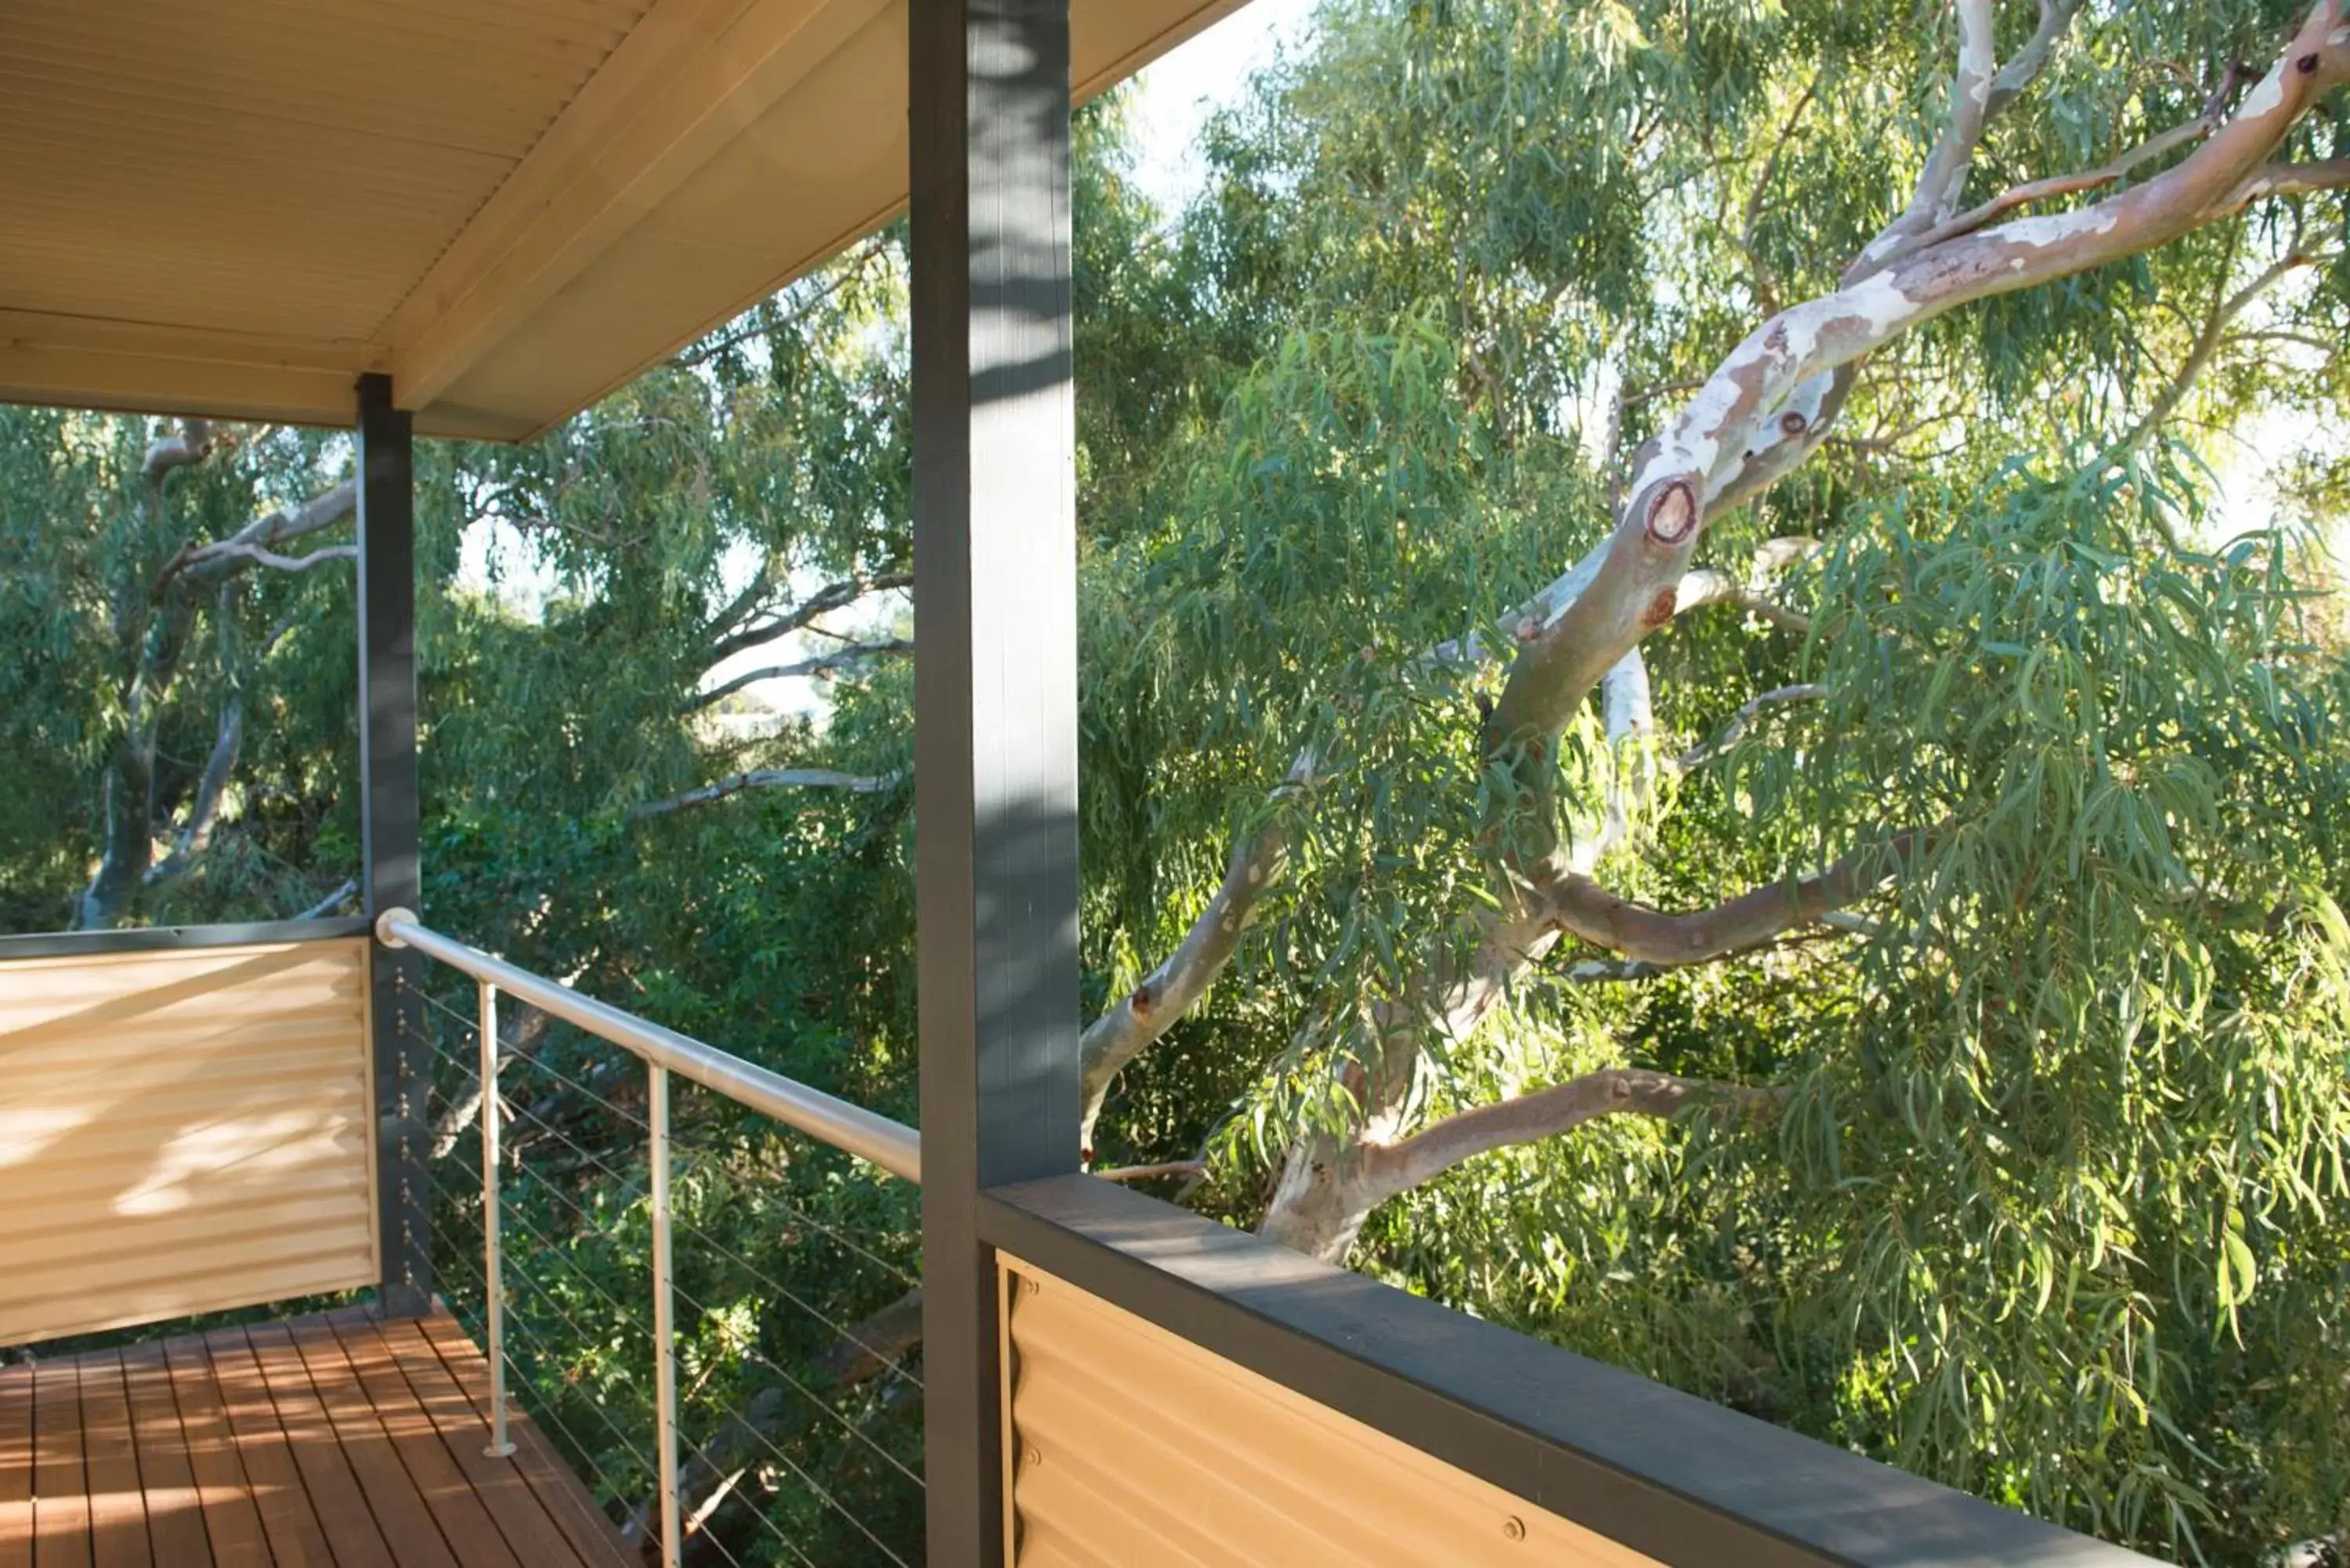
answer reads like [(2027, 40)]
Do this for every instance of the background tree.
[(175, 698), (1871, 1146)]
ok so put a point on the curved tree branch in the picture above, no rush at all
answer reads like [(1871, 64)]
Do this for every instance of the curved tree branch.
[(1947, 166), (1125, 1173), (1136, 1020), (1740, 721), (853, 657), (764, 778), (197, 566), (2056, 185), (195, 834), (2023, 66), (1707, 586), (782, 624), (191, 445), (519, 1035), (1581, 906), (2290, 179), (1400, 1167), (2207, 343), (277, 563), (331, 902)]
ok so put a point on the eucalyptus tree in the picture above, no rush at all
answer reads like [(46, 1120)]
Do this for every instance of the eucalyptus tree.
[(1761, 412), (1683, 762)]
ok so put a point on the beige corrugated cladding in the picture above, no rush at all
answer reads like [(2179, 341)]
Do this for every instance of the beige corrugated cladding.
[(181, 1132), (1130, 1447), (510, 205)]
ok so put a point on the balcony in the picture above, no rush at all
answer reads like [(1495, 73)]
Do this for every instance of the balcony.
[(206, 1134), (192, 1138)]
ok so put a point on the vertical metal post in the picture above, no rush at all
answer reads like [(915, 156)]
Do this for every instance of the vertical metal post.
[(995, 692), (389, 871), (664, 1323), (493, 1290)]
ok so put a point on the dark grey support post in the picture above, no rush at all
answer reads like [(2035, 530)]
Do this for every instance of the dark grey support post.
[(390, 869), (995, 691)]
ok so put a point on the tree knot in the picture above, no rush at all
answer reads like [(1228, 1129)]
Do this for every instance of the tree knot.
[(1672, 514)]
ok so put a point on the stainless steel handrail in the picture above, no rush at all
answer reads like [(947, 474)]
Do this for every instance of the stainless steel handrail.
[(893, 1146)]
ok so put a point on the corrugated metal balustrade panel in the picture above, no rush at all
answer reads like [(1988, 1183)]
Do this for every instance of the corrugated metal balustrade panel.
[(1133, 1447), (181, 1131)]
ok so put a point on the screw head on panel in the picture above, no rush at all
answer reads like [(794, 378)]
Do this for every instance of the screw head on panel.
[(1513, 1528), (1033, 1457)]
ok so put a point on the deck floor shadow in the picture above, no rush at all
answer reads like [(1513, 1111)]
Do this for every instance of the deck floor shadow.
[(338, 1441)]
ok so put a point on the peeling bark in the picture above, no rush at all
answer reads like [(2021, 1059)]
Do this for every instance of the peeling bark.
[(1708, 443)]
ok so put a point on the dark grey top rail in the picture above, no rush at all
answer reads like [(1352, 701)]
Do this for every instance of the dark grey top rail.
[(1674, 1477), (171, 938)]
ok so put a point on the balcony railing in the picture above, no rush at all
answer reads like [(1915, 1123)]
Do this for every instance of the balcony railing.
[(673, 1481), (188, 1119)]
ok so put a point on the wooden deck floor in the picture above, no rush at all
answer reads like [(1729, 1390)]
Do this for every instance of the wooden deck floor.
[(334, 1440)]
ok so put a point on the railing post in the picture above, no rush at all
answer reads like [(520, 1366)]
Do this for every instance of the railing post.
[(389, 869), (493, 1290), (996, 693), (664, 1320)]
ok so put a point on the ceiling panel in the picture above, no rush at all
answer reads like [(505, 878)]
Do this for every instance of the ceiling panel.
[(229, 208)]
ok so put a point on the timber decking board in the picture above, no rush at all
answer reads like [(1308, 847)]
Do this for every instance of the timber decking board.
[(334, 1442), (295, 1538), (230, 1517), (15, 1472), (118, 1508), (592, 1534), (175, 1526), (61, 1502), (533, 1536)]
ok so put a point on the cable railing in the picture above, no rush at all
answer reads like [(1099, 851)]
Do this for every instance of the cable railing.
[(783, 1423)]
